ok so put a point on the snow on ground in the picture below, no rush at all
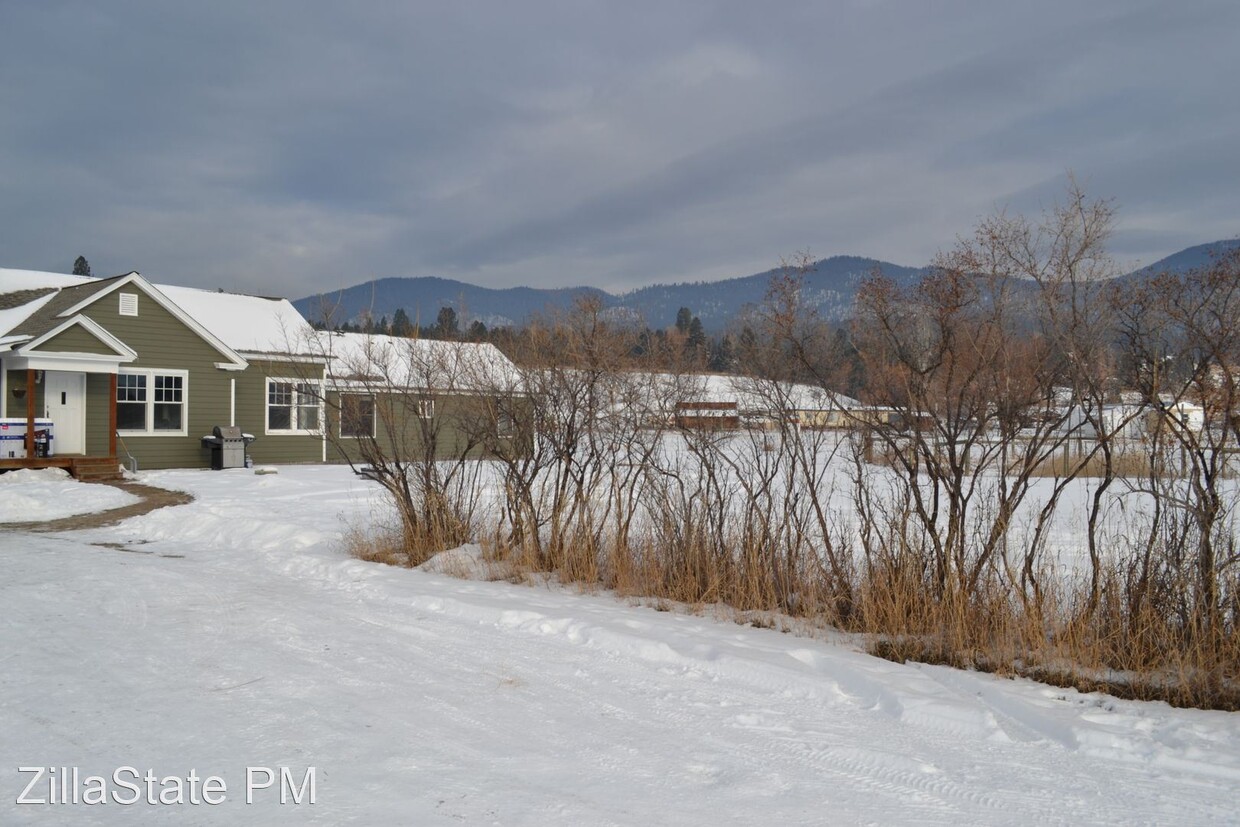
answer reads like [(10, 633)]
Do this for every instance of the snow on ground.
[(30, 495), (233, 632)]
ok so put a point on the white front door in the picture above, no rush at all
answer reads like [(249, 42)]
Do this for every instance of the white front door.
[(64, 402)]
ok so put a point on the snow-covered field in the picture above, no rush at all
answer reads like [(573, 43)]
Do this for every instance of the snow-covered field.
[(234, 632)]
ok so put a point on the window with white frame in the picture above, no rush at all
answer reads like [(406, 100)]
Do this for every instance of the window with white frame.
[(152, 402), (293, 406), (424, 407), (131, 402), (505, 425), (357, 416)]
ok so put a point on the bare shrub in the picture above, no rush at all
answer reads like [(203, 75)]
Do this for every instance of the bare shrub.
[(396, 410), (1181, 334), (922, 514)]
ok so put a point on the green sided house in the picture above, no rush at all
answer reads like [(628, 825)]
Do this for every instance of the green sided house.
[(392, 398), (96, 373)]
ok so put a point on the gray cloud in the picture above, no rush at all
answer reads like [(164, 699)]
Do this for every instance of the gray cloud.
[(290, 147)]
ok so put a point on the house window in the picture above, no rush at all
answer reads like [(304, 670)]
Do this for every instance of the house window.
[(168, 406), (129, 304), (357, 416), (505, 426), (293, 407), (131, 402), (151, 402), (424, 407)]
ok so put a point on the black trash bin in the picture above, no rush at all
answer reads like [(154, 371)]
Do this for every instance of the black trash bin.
[(227, 444)]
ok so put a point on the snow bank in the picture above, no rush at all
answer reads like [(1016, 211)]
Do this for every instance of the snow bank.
[(30, 495)]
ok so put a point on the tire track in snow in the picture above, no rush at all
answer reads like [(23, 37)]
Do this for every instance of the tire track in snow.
[(1017, 720)]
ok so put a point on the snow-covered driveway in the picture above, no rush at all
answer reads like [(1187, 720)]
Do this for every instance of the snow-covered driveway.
[(233, 632)]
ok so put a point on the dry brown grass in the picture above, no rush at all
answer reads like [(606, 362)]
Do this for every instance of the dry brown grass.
[(904, 619), (1143, 657), (1130, 464), (376, 544), (393, 544)]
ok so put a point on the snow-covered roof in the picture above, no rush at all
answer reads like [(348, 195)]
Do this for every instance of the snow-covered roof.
[(250, 324), (392, 361), (751, 394), (11, 317), (11, 281), (20, 297)]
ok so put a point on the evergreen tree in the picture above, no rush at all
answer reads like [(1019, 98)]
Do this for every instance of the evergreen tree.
[(477, 331), (401, 325), (697, 336), (81, 267), (446, 323), (384, 327), (684, 318), (722, 355)]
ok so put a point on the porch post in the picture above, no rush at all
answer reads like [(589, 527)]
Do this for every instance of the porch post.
[(29, 414), (112, 415)]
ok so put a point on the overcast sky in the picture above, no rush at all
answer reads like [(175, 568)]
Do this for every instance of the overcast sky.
[(291, 147)]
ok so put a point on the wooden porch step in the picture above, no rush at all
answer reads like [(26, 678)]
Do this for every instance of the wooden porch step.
[(41, 462), (94, 469)]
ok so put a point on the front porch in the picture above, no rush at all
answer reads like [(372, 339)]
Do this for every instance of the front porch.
[(81, 467), (43, 422)]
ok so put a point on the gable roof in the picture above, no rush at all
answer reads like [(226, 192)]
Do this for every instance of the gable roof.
[(248, 324), (105, 287), (32, 303), (92, 328), (47, 315), (68, 302)]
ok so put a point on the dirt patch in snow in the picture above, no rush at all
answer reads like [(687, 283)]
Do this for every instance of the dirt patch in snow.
[(149, 499)]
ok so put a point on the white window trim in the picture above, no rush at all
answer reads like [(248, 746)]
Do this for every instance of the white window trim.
[(505, 426), (424, 407), (281, 380), (374, 417), (150, 374)]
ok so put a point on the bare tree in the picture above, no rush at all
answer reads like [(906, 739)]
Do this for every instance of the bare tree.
[(1181, 334), (981, 365)]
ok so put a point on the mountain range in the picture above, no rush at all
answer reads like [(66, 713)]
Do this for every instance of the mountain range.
[(830, 283)]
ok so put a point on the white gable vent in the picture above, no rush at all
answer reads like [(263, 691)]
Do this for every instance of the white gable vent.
[(129, 304)]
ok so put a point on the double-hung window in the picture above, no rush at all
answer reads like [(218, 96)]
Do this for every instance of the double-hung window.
[(357, 415), (293, 406), (505, 425), (152, 402)]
